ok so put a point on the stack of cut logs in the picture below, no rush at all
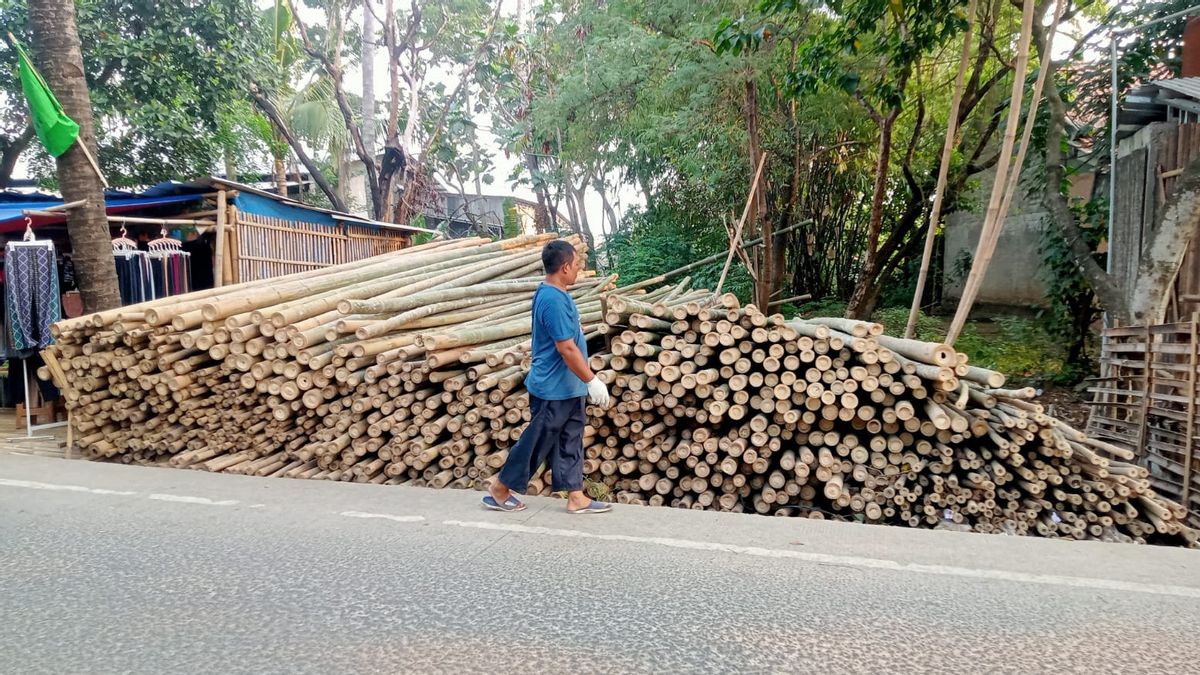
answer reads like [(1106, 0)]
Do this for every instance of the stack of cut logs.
[(408, 368)]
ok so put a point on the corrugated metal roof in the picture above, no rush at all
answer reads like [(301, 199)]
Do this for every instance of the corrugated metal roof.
[(1188, 86), (336, 215)]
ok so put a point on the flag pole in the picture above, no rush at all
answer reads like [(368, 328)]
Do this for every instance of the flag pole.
[(91, 160)]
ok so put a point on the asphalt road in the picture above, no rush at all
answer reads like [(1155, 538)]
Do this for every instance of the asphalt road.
[(107, 569)]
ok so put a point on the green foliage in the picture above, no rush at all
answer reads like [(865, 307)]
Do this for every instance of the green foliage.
[(895, 320), (512, 222), (893, 35), (823, 307), (653, 243), (1018, 347), (421, 237), (1072, 303), (161, 77)]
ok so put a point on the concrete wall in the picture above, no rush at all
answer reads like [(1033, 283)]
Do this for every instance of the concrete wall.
[(1014, 276)]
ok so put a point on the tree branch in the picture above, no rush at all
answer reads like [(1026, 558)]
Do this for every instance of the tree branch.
[(12, 152), (441, 119), (268, 108), (1107, 291), (335, 76)]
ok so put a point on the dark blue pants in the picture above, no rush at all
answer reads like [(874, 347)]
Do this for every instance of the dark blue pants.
[(554, 436)]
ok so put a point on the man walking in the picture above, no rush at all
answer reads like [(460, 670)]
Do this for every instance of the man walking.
[(557, 382)]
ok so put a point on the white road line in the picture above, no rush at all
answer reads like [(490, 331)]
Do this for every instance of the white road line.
[(398, 519), (33, 485), (849, 561), (184, 499)]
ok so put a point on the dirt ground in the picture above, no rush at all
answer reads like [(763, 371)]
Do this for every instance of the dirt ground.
[(1065, 404)]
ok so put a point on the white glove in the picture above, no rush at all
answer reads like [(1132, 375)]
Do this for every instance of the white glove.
[(598, 393)]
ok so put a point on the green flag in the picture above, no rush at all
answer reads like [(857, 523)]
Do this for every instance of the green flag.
[(57, 131)]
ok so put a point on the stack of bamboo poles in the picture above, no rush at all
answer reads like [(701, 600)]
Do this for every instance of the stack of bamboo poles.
[(726, 407), (409, 368), (327, 374)]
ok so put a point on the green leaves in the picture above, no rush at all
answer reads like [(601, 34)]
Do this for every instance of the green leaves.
[(737, 37), (865, 47), (161, 76)]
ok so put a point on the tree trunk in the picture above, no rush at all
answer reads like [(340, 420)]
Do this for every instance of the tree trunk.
[(230, 165), (866, 290), (56, 41), (280, 172), (343, 174), (268, 108), (610, 218), (578, 195), (1108, 291), (368, 80), (541, 218), (1162, 253), (12, 152)]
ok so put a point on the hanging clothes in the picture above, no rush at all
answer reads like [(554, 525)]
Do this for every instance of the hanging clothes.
[(6, 349), (31, 293), (171, 272), (134, 276)]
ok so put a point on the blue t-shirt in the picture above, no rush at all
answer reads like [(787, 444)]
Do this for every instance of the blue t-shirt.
[(555, 318)]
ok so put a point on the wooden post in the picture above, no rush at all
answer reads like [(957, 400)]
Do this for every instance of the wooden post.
[(232, 265), (994, 218), (737, 233), (1147, 383), (939, 193), (219, 246), (70, 449), (1189, 430)]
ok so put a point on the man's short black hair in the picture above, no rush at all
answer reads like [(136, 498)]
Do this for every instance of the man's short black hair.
[(556, 254)]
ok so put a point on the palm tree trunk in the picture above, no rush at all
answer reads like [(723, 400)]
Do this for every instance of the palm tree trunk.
[(56, 41)]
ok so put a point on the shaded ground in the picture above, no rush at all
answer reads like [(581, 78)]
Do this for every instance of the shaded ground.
[(1065, 404)]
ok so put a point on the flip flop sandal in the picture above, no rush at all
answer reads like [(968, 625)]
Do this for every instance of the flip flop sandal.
[(510, 504), (594, 507)]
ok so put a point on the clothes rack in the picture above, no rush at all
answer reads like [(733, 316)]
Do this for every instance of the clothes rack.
[(135, 277), (32, 305)]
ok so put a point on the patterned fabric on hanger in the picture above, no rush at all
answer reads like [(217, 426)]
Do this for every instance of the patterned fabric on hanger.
[(31, 293)]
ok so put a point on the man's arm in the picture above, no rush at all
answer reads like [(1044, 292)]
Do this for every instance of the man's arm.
[(574, 359)]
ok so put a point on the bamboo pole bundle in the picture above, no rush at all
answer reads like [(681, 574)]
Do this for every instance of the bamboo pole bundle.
[(414, 374), (838, 419)]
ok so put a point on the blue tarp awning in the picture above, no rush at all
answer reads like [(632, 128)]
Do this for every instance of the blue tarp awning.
[(271, 208), (12, 204)]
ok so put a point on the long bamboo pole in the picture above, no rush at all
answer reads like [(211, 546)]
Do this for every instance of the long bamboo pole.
[(734, 242), (219, 244), (939, 194), (994, 219)]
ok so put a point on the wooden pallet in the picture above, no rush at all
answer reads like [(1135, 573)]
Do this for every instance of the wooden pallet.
[(1147, 399)]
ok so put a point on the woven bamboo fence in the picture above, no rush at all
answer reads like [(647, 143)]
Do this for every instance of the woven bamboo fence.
[(1147, 400), (272, 247)]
